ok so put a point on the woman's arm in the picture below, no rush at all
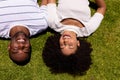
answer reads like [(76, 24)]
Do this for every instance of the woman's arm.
[(97, 18), (44, 2), (51, 1), (101, 6)]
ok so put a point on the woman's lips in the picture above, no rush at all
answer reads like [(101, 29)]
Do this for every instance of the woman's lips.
[(66, 36)]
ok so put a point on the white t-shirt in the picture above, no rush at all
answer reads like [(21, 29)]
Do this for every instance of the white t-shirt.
[(22, 12), (77, 9)]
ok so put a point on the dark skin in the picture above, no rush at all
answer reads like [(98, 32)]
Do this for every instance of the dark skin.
[(19, 47)]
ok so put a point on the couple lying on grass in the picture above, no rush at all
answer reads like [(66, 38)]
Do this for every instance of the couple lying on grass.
[(71, 19)]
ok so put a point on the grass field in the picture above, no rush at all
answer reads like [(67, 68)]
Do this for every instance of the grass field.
[(105, 56)]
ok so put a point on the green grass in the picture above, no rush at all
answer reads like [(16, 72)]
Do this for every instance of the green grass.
[(105, 56)]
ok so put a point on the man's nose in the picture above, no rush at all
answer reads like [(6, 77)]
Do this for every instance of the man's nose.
[(21, 44), (20, 51)]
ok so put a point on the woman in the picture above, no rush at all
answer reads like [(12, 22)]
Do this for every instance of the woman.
[(72, 19)]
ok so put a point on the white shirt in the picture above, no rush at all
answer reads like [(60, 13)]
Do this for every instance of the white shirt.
[(77, 9), (22, 12)]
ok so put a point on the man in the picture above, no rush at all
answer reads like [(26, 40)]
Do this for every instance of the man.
[(19, 20)]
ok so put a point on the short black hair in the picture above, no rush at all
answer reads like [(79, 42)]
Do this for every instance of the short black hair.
[(77, 63)]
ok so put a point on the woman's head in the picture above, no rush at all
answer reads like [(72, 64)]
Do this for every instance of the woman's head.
[(68, 43), (78, 62)]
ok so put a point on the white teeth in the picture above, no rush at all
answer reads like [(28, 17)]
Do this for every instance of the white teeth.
[(66, 36), (21, 40)]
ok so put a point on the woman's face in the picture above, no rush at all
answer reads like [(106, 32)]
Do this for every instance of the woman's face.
[(68, 43)]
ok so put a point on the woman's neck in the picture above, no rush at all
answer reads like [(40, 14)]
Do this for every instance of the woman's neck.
[(71, 21)]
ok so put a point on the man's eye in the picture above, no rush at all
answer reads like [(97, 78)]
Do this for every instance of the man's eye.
[(15, 50), (26, 50)]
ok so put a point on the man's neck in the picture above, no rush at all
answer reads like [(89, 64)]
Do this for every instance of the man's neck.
[(18, 28)]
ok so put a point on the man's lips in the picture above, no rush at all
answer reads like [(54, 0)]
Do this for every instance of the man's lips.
[(21, 40)]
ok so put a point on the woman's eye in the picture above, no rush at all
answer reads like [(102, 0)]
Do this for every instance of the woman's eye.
[(62, 46)]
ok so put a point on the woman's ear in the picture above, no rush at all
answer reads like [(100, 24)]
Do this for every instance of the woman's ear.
[(78, 43)]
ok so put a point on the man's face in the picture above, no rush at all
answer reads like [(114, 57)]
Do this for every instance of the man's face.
[(68, 43), (19, 48)]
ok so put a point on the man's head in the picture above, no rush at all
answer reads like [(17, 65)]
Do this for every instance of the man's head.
[(20, 48), (68, 43)]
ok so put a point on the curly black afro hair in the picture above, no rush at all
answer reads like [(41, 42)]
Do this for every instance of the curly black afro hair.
[(76, 64)]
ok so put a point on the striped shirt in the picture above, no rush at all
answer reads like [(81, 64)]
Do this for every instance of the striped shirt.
[(22, 12)]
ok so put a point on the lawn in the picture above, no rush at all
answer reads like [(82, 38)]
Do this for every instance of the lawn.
[(105, 55)]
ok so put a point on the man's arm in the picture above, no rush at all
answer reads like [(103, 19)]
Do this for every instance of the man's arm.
[(101, 6)]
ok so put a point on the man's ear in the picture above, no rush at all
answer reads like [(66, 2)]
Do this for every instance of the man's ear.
[(9, 47)]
